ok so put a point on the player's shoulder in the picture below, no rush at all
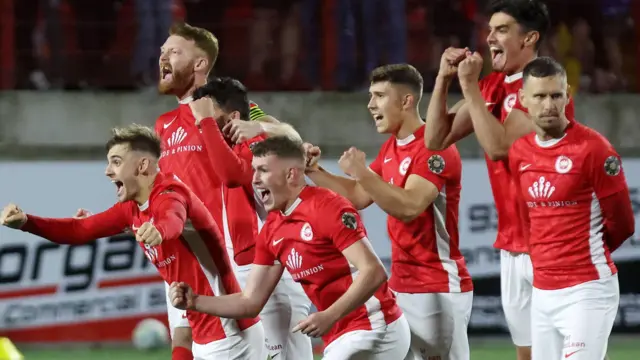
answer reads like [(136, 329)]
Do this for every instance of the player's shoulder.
[(325, 199), (168, 116), (493, 79)]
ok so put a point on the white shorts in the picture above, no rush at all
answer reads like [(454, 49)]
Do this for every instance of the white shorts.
[(246, 345), (516, 285), (286, 307), (438, 323), (574, 323), (177, 317), (384, 343)]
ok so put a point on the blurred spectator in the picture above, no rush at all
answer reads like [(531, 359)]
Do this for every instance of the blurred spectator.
[(616, 14), (274, 43), (95, 30), (154, 18)]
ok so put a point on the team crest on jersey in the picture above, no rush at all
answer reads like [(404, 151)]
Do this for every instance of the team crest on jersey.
[(563, 164), (306, 233), (612, 166), (349, 220), (404, 166), (436, 164), (510, 102)]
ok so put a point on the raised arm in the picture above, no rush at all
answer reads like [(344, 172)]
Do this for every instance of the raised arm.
[(349, 188), (75, 231), (446, 126), (232, 169), (170, 214), (494, 136)]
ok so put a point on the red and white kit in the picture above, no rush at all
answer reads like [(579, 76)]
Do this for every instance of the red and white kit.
[(579, 211), (428, 272), (191, 251), (242, 219), (308, 240), (184, 154), (500, 92)]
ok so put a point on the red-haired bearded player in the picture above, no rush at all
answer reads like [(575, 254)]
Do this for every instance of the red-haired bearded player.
[(186, 59), (492, 110)]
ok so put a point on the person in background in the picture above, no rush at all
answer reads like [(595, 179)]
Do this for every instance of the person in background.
[(154, 18)]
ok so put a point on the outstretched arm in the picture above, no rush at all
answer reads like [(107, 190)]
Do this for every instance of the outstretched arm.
[(79, 231)]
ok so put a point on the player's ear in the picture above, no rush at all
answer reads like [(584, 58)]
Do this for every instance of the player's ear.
[(201, 64), (522, 97), (531, 38), (407, 101), (235, 115), (144, 165)]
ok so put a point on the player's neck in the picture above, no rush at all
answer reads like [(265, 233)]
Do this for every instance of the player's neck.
[(524, 64), (294, 194), (145, 188), (555, 133), (187, 93), (410, 125)]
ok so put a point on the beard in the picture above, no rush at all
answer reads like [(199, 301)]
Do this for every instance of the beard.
[(180, 81)]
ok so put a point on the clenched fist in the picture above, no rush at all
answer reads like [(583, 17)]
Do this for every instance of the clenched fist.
[(353, 162), (202, 109), (312, 154), (13, 217), (148, 234), (450, 60), (182, 296), (470, 68)]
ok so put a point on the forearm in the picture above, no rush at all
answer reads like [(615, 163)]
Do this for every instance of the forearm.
[(439, 123), (490, 132), (618, 218), (362, 289), (391, 199), (234, 306), (280, 129), (232, 170), (340, 184)]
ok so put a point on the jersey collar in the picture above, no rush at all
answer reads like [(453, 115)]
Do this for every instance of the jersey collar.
[(513, 78), (186, 100)]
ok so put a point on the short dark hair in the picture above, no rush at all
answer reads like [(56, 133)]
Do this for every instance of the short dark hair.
[(281, 146), (532, 15), (543, 67), (228, 92), (138, 137), (203, 39), (401, 74)]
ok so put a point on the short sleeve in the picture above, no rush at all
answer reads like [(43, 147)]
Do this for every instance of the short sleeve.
[(607, 175), (264, 255), (436, 166), (342, 222)]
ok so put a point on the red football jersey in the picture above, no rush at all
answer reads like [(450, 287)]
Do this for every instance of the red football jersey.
[(563, 182), (425, 253), (501, 95), (190, 252), (308, 240), (242, 212), (184, 154)]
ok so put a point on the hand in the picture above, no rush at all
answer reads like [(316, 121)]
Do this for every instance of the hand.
[(12, 216), (353, 162), (450, 60), (240, 130), (316, 325), (148, 234), (202, 109), (182, 296), (470, 68), (82, 214), (312, 154)]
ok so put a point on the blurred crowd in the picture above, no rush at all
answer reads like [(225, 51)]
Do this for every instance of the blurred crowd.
[(296, 45)]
